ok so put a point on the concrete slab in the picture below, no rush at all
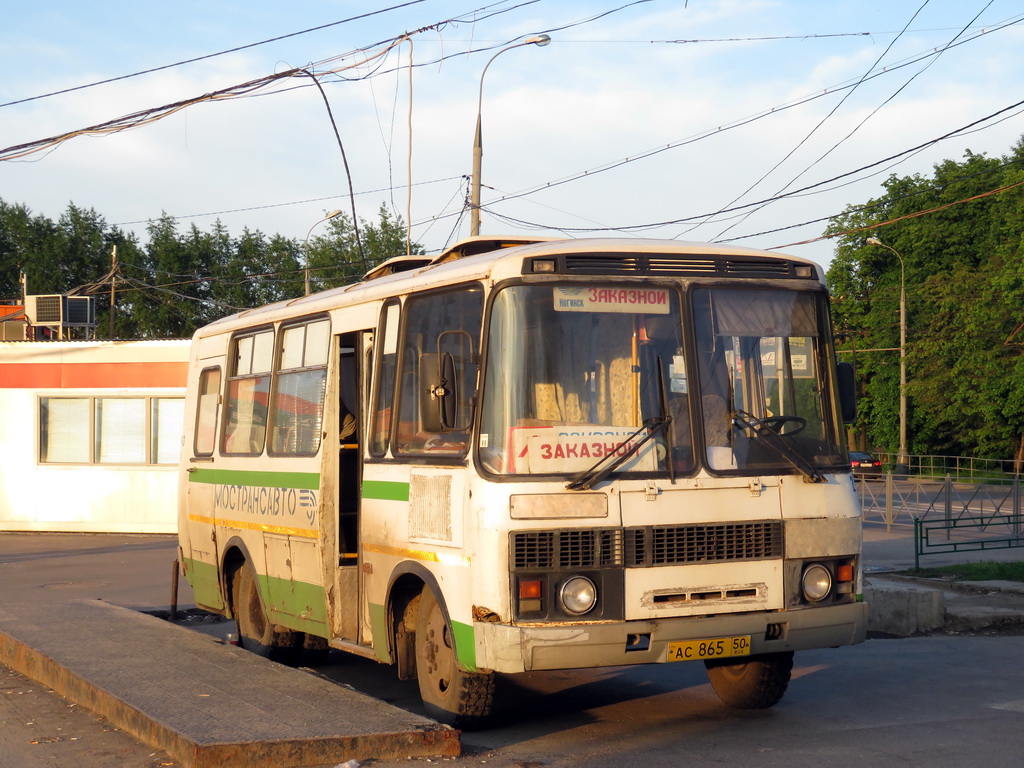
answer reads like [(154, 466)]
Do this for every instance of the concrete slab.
[(901, 609), (903, 606), (207, 704)]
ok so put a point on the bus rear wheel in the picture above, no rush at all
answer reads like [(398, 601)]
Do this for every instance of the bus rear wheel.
[(757, 683), (255, 632), (451, 695)]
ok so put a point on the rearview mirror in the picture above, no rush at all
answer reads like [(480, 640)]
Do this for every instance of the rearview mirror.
[(847, 385)]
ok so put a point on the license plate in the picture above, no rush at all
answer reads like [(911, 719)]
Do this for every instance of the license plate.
[(712, 648)]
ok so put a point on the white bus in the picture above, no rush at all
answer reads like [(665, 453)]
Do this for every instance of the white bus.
[(526, 455)]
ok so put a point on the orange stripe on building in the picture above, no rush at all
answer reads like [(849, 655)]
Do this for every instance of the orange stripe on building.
[(92, 375)]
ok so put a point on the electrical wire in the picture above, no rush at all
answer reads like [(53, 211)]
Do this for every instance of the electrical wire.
[(348, 172), (795, 193), (787, 195), (739, 123), (252, 87), (284, 205), (212, 55), (835, 108), (875, 111), (914, 215)]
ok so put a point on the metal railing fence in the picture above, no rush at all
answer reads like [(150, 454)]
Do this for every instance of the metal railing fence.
[(947, 515), (969, 468)]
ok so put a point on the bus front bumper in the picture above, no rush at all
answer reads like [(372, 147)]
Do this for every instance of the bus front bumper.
[(511, 649)]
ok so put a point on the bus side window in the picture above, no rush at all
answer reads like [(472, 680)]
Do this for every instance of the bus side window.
[(298, 408), (440, 355), (207, 407), (384, 395), (245, 417)]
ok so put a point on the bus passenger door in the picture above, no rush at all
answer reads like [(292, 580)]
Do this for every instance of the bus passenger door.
[(202, 495), (352, 391)]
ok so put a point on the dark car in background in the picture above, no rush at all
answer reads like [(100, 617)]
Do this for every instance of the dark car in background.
[(865, 465)]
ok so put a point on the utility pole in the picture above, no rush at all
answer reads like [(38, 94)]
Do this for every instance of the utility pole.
[(113, 286), (902, 457)]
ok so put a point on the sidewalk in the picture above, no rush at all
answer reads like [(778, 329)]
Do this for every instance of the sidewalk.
[(73, 616), (903, 606)]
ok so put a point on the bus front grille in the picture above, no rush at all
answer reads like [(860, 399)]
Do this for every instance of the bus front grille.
[(576, 548), (709, 543), (644, 547)]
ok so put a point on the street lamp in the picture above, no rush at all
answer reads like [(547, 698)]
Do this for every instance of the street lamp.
[(478, 146), (901, 455), (305, 246)]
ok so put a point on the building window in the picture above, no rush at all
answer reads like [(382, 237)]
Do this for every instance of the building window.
[(165, 420), (110, 430)]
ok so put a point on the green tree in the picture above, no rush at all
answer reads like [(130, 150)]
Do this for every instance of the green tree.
[(337, 257), (963, 281)]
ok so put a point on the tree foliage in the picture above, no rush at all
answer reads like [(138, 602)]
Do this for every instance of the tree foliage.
[(181, 279), (964, 282)]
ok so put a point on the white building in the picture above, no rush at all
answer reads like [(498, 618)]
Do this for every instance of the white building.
[(90, 434)]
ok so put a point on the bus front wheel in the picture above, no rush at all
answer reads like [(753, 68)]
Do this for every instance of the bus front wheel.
[(255, 631), (451, 695), (757, 683)]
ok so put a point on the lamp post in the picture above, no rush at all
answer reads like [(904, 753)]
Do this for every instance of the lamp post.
[(901, 455), (305, 246), (478, 144)]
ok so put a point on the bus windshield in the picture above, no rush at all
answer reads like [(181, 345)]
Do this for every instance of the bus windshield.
[(578, 373), (583, 372), (765, 396)]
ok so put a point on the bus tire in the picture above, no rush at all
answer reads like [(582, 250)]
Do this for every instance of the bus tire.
[(757, 683), (255, 631), (450, 695)]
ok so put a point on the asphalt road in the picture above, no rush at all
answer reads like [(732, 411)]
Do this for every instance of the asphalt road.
[(935, 701)]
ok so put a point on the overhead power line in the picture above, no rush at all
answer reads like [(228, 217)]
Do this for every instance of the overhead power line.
[(718, 130), (914, 215), (324, 67), (211, 55), (784, 196), (284, 205)]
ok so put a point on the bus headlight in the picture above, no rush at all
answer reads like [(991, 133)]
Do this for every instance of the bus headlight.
[(578, 595), (817, 582)]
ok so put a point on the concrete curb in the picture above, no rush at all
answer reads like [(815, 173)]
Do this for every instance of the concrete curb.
[(206, 704), (903, 609), (904, 606)]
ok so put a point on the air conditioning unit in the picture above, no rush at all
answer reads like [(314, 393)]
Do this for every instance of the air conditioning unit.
[(66, 311), (45, 310), (12, 330), (80, 311)]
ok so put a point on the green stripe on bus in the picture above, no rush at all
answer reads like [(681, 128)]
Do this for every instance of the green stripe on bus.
[(298, 605), (386, 490), (465, 644), (303, 481), (203, 578)]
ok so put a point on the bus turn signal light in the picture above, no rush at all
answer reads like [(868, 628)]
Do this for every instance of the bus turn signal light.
[(844, 573), (529, 590)]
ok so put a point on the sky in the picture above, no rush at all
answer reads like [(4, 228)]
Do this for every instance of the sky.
[(660, 118)]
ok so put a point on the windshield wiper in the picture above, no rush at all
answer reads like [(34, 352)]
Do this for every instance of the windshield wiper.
[(663, 406), (761, 429), (587, 479)]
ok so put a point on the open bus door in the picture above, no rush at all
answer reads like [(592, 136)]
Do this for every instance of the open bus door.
[(351, 392)]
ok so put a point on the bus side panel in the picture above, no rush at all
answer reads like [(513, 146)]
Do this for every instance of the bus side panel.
[(297, 598), (422, 506)]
